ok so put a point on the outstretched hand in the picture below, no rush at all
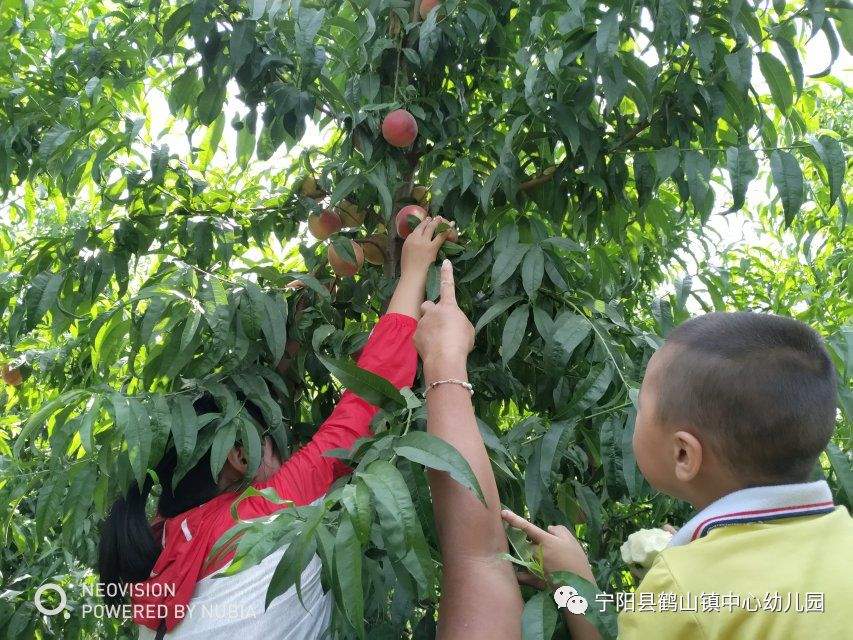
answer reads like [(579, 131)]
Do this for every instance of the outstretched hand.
[(560, 549), (421, 246), (444, 335)]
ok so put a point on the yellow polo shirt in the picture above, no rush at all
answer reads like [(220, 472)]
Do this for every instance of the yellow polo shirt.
[(786, 579)]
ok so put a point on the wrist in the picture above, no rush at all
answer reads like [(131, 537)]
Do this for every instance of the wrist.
[(413, 273), (442, 366)]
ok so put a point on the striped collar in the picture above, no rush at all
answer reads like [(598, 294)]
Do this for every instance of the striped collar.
[(757, 504)]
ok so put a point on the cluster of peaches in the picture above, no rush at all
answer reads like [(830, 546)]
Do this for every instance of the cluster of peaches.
[(399, 129)]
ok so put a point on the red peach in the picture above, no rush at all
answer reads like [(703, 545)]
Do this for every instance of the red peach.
[(399, 128), (404, 227), (325, 224)]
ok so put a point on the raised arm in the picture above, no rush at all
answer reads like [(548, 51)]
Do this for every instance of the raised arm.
[(389, 353), (480, 598)]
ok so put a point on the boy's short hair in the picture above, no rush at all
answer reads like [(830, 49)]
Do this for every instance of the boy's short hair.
[(761, 387)]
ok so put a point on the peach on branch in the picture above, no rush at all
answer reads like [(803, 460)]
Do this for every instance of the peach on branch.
[(324, 224), (405, 224), (350, 213), (399, 128), (341, 265), (374, 248), (426, 7)]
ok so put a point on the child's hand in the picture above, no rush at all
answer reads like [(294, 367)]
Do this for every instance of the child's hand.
[(421, 247), (560, 550)]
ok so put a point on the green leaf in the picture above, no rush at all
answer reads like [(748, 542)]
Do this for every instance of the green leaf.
[(177, 21), (792, 59), (569, 331), (494, 311), (88, 422), (369, 386), (312, 283), (832, 156), (533, 269), (259, 7), (210, 101), (223, 441), (788, 178), (242, 42), (698, 171), (777, 79), (380, 182), (54, 138), (49, 502), (607, 37), (348, 586), (739, 65), (513, 333), (251, 441), (506, 262), (666, 161), (539, 618), (210, 143), (66, 400), (184, 425), (136, 431), (190, 328), (270, 313), (401, 530), (843, 467), (288, 571), (743, 167), (40, 296), (426, 449)]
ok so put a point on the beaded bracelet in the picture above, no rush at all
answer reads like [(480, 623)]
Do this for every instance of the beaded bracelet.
[(461, 383)]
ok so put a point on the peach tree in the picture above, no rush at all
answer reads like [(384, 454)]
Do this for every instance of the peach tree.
[(177, 178)]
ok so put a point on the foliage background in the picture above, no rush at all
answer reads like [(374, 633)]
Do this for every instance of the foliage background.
[(588, 153)]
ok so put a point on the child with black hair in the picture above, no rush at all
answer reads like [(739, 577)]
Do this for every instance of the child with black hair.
[(734, 411), (169, 559)]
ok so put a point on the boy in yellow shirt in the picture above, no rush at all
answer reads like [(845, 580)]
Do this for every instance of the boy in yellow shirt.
[(733, 413)]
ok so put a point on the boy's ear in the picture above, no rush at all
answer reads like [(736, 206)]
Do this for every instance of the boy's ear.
[(237, 459), (688, 455)]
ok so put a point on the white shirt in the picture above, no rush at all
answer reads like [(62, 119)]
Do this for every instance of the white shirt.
[(230, 607)]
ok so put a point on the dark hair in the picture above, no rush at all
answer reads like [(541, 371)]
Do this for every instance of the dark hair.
[(128, 547), (761, 386)]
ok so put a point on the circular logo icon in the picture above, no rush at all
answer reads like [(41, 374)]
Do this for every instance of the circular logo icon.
[(49, 586)]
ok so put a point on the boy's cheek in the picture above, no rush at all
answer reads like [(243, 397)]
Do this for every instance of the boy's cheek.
[(649, 457)]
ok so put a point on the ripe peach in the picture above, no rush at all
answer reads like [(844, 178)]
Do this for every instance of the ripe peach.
[(426, 7), (404, 228), (341, 265), (325, 224), (11, 376), (374, 248), (399, 128), (351, 215)]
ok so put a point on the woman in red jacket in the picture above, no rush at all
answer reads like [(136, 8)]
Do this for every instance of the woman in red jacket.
[(173, 591)]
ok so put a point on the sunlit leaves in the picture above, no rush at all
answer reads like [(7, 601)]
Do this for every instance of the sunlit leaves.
[(777, 79), (832, 156), (743, 167), (788, 178)]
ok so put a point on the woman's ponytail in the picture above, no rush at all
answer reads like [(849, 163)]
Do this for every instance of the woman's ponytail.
[(128, 548)]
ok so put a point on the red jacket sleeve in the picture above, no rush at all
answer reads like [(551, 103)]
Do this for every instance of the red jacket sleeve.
[(308, 474)]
